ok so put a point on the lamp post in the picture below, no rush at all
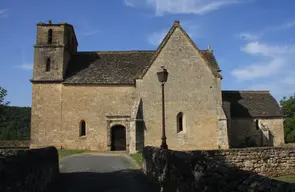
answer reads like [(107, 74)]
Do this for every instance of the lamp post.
[(162, 76)]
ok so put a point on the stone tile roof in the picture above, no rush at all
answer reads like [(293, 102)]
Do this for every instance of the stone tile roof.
[(109, 67), (115, 67), (251, 104)]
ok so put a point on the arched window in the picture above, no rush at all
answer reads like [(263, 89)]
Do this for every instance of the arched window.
[(49, 36), (179, 119), (48, 63), (82, 128)]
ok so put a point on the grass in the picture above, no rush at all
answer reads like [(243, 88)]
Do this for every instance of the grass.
[(137, 157), (288, 179), (62, 153)]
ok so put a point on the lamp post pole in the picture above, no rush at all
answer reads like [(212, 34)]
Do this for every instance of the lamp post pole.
[(164, 144), (163, 76)]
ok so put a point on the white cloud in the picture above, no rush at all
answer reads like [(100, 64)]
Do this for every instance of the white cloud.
[(256, 48), (27, 66), (275, 71), (248, 36), (199, 7), (259, 70), (3, 13), (257, 35), (129, 3)]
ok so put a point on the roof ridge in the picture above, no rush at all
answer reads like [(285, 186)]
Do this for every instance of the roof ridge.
[(252, 91), (114, 52)]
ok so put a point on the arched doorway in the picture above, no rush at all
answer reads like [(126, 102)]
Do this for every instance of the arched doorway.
[(118, 138)]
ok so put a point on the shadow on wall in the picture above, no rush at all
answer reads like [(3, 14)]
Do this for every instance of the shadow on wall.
[(140, 128), (203, 171)]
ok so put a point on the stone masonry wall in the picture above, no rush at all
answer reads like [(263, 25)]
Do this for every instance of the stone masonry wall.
[(15, 143), (245, 133), (197, 98), (219, 170), (28, 170)]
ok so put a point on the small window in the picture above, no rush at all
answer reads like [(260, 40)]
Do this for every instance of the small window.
[(257, 124), (48, 63), (82, 128), (49, 36), (179, 122)]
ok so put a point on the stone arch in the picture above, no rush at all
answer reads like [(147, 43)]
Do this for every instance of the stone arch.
[(118, 138)]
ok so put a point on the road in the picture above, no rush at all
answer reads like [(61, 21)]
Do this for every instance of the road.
[(101, 172)]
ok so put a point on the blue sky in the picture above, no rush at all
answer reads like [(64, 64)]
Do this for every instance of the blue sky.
[(253, 40)]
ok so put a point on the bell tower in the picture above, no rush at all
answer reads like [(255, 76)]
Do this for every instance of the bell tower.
[(55, 43)]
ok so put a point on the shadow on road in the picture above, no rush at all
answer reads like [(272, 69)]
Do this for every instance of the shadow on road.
[(124, 180)]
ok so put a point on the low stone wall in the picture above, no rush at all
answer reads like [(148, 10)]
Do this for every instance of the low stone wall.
[(28, 170), (15, 143), (219, 170)]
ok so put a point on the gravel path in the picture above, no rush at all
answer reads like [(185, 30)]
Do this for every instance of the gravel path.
[(105, 172)]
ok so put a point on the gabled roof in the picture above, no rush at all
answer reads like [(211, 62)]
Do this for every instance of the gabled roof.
[(245, 104), (109, 67), (123, 67), (207, 56)]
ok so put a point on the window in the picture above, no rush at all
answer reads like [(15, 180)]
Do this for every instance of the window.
[(82, 128), (48, 63), (257, 124), (49, 36), (179, 122)]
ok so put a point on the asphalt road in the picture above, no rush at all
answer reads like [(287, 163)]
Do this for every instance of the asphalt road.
[(105, 172)]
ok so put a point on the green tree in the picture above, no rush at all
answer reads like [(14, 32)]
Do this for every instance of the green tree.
[(3, 93), (288, 107)]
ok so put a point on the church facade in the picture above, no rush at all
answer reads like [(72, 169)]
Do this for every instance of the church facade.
[(111, 100)]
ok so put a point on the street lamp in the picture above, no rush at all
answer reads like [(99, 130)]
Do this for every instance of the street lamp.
[(162, 76)]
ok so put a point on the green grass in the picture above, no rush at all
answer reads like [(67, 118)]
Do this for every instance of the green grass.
[(288, 179), (137, 157), (62, 153)]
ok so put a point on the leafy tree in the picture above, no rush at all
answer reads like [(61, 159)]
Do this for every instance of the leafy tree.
[(3, 93), (288, 107)]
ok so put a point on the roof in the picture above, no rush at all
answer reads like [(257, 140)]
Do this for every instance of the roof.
[(109, 67), (205, 54), (122, 67), (251, 104)]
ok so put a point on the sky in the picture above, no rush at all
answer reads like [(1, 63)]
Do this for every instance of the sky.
[(253, 40)]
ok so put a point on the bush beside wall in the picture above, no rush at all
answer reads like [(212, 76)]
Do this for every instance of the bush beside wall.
[(217, 170), (28, 170)]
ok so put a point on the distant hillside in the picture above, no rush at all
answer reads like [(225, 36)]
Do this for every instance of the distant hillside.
[(15, 123)]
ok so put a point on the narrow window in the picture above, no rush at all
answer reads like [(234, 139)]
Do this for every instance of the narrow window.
[(49, 36), (257, 124), (48, 63), (179, 122), (82, 128)]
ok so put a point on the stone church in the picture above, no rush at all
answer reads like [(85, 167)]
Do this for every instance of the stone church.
[(111, 100)]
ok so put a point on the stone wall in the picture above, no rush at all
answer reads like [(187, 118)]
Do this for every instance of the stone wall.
[(244, 132), (219, 170), (15, 143), (28, 170), (197, 99)]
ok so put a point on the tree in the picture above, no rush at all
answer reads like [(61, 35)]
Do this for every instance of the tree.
[(288, 107), (3, 93)]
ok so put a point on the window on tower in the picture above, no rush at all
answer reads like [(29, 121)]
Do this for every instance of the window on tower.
[(49, 36), (48, 63)]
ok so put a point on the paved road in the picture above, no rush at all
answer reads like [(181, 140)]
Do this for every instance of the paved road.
[(105, 172)]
